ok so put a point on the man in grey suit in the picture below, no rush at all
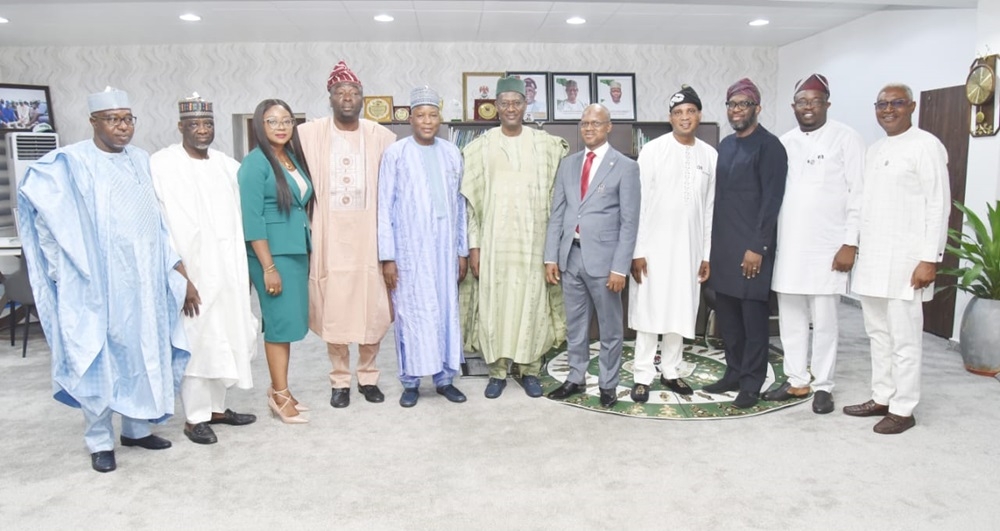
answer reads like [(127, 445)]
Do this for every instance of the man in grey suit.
[(591, 236)]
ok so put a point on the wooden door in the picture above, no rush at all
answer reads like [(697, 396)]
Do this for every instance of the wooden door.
[(945, 113)]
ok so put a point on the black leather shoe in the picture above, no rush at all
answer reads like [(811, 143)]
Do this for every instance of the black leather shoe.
[(677, 385), (372, 393), (640, 393), (201, 433), (609, 397), (103, 461), (495, 388), (233, 418), (721, 386), (746, 399), (340, 397), (409, 397), (785, 392), (451, 393), (566, 390), (532, 387), (822, 402), (149, 442)]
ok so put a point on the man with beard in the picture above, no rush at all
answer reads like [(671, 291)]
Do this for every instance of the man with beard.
[(817, 241), (509, 313), (749, 186), (348, 301), (904, 226), (675, 238), (108, 287), (200, 201)]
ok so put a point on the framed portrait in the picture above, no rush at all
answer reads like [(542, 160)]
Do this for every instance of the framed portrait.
[(378, 108), (617, 93), (477, 86), (25, 108), (536, 92), (570, 95)]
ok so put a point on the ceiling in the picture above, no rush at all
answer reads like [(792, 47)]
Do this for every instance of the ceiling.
[(677, 22)]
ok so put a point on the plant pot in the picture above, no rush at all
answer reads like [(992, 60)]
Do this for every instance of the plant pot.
[(980, 337)]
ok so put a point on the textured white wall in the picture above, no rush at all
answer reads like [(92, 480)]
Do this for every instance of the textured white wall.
[(926, 49), (237, 76)]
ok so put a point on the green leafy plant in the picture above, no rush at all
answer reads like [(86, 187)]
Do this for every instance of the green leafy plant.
[(980, 251)]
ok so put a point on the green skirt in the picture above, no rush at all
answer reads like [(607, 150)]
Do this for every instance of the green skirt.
[(285, 316)]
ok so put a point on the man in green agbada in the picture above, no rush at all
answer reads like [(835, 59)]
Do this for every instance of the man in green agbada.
[(509, 313)]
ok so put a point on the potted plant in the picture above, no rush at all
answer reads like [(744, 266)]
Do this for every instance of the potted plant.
[(979, 274)]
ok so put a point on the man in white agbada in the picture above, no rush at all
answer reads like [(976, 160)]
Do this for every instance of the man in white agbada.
[(817, 241), (200, 200), (670, 262), (904, 226)]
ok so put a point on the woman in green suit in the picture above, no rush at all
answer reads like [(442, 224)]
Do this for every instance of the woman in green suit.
[(277, 198)]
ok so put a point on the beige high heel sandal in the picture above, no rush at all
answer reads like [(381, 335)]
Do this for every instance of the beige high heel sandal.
[(286, 402), (298, 406)]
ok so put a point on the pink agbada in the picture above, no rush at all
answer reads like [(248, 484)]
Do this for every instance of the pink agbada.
[(348, 301)]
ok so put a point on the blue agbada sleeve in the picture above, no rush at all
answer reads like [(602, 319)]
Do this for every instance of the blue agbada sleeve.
[(58, 239)]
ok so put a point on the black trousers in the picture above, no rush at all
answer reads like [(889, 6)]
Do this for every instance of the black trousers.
[(744, 326)]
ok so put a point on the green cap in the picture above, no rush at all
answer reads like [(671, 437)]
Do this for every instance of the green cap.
[(510, 84)]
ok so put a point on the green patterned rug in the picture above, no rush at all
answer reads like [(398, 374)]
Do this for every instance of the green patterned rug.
[(706, 364)]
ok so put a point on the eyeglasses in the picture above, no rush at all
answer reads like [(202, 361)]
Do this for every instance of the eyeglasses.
[(115, 121), (510, 104), (805, 104), (741, 105), (194, 126), (592, 124), (896, 104), (274, 123)]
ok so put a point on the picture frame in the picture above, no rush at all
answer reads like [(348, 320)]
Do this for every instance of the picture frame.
[(563, 104), (401, 113), (25, 108), (622, 109), (538, 102), (378, 109), (477, 86)]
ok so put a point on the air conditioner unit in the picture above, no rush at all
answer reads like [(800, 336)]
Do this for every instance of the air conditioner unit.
[(22, 150)]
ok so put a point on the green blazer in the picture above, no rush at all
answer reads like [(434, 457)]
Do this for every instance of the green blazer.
[(285, 233)]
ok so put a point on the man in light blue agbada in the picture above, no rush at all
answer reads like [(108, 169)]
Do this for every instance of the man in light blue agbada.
[(108, 287), (423, 249)]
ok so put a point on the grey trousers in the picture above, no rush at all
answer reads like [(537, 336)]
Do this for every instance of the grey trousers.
[(583, 294)]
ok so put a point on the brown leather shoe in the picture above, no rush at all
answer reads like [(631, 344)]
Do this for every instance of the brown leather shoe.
[(893, 424), (868, 409)]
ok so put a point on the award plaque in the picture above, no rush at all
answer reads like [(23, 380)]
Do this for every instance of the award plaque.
[(400, 114), (486, 110), (378, 108)]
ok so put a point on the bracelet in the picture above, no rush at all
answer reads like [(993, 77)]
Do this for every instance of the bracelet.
[(270, 269)]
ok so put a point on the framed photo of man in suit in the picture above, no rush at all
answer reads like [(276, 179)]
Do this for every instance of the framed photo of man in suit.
[(536, 93), (570, 95), (617, 93)]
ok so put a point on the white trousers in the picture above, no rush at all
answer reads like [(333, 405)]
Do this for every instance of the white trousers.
[(795, 312), (201, 397), (671, 354), (895, 329)]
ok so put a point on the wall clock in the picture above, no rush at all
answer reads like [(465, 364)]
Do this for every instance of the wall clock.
[(980, 90)]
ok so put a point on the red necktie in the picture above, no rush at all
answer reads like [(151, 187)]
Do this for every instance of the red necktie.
[(585, 177)]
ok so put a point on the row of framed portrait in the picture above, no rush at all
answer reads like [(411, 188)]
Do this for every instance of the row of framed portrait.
[(552, 96)]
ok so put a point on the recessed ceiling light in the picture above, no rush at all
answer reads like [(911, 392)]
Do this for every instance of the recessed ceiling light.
[(3, 20), (384, 18), (759, 22), (190, 17), (576, 20)]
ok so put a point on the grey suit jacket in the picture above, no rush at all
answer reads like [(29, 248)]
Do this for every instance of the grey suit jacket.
[(608, 216)]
